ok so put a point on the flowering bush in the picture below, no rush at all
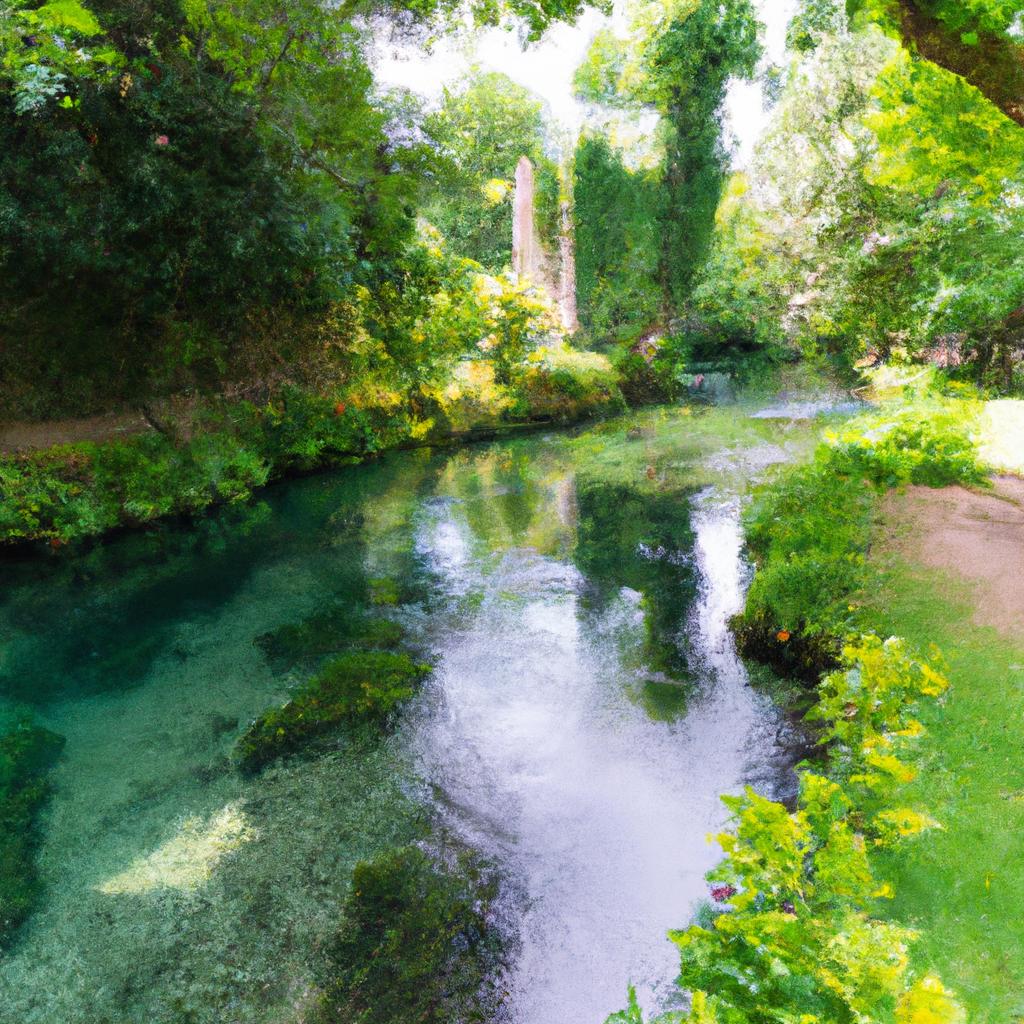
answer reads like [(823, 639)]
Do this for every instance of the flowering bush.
[(799, 944)]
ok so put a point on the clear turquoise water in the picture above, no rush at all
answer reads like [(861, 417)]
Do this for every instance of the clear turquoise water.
[(586, 711)]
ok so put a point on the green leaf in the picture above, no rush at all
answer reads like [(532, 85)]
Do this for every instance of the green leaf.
[(69, 14)]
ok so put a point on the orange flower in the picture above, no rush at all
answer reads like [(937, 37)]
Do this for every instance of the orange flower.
[(782, 636), (339, 409)]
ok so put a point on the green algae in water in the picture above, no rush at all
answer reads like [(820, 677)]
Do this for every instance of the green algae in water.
[(416, 944), (663, 701), (364, 686), (27, 752), (327, 632)]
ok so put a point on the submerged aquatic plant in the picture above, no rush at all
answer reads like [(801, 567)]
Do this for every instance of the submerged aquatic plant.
[(417, 944), (327, 632), (363, 686), (27, 752)]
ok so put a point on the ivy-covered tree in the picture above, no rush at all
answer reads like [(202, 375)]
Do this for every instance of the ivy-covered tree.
[(618, 249), (677, 63)]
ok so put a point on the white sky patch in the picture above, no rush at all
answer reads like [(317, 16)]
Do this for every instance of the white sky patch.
[(547, 68)]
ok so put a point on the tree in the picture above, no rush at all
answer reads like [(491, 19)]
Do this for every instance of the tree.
[(617, 211), (485, 124), (976, 39), (678, 62), (187, 189)]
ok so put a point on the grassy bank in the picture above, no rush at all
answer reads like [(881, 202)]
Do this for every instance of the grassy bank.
[(231, 449), (801, 924), (963, 888), (824, 576)]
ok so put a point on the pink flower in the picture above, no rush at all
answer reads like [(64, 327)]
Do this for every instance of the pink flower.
[(162, 140), (721, 893)]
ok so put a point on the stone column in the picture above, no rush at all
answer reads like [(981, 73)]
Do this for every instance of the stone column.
[(525, 246)]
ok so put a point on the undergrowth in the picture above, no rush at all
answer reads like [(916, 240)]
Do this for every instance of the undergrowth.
[(809, 530)]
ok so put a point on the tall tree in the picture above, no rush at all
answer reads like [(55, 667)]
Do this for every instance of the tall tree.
[(980, 40), (485, 124)]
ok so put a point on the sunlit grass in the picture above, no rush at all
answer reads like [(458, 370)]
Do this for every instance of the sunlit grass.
[(186, 861), (963, 886)]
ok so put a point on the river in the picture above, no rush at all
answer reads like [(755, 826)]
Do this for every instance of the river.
[(586, 711)]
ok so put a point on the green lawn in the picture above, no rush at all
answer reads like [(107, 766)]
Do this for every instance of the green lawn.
[(963, 887)]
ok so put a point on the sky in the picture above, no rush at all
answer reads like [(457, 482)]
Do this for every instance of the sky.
[(547, 68)]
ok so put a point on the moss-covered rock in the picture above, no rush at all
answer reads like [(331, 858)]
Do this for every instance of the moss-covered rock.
[(27, 753), (362, 686), (416, 945)]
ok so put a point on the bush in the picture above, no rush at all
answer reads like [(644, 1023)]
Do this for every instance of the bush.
[(795, 938), (416, 945), (652, 378), (564, 385), (363, 686), (26, 754), (923, 443), (809, 531)]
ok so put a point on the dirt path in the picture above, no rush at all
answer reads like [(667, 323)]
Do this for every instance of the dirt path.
[(27, 437), (977, 536)]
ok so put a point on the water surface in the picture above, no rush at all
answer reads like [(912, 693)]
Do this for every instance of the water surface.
[(587, 710)]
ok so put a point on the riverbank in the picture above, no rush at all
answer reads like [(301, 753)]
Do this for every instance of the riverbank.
[(855, 543), (963, 888), (221, 452)]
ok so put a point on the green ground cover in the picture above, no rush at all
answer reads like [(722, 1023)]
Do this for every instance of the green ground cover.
[(964, 887)]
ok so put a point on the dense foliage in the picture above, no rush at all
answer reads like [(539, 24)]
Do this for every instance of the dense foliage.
[(229, 448), (485, 124), (884, 182), (618, 279), (189, 191), (796, 935), (809, 531)]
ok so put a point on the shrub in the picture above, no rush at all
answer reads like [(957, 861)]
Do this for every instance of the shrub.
[(922, 443), (559, 383), (363, 686), (649, 382), (809, 530), (416, 945), (26, 754)]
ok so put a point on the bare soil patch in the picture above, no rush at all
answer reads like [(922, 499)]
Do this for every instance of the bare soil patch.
[(976, 535), (30, 437)]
